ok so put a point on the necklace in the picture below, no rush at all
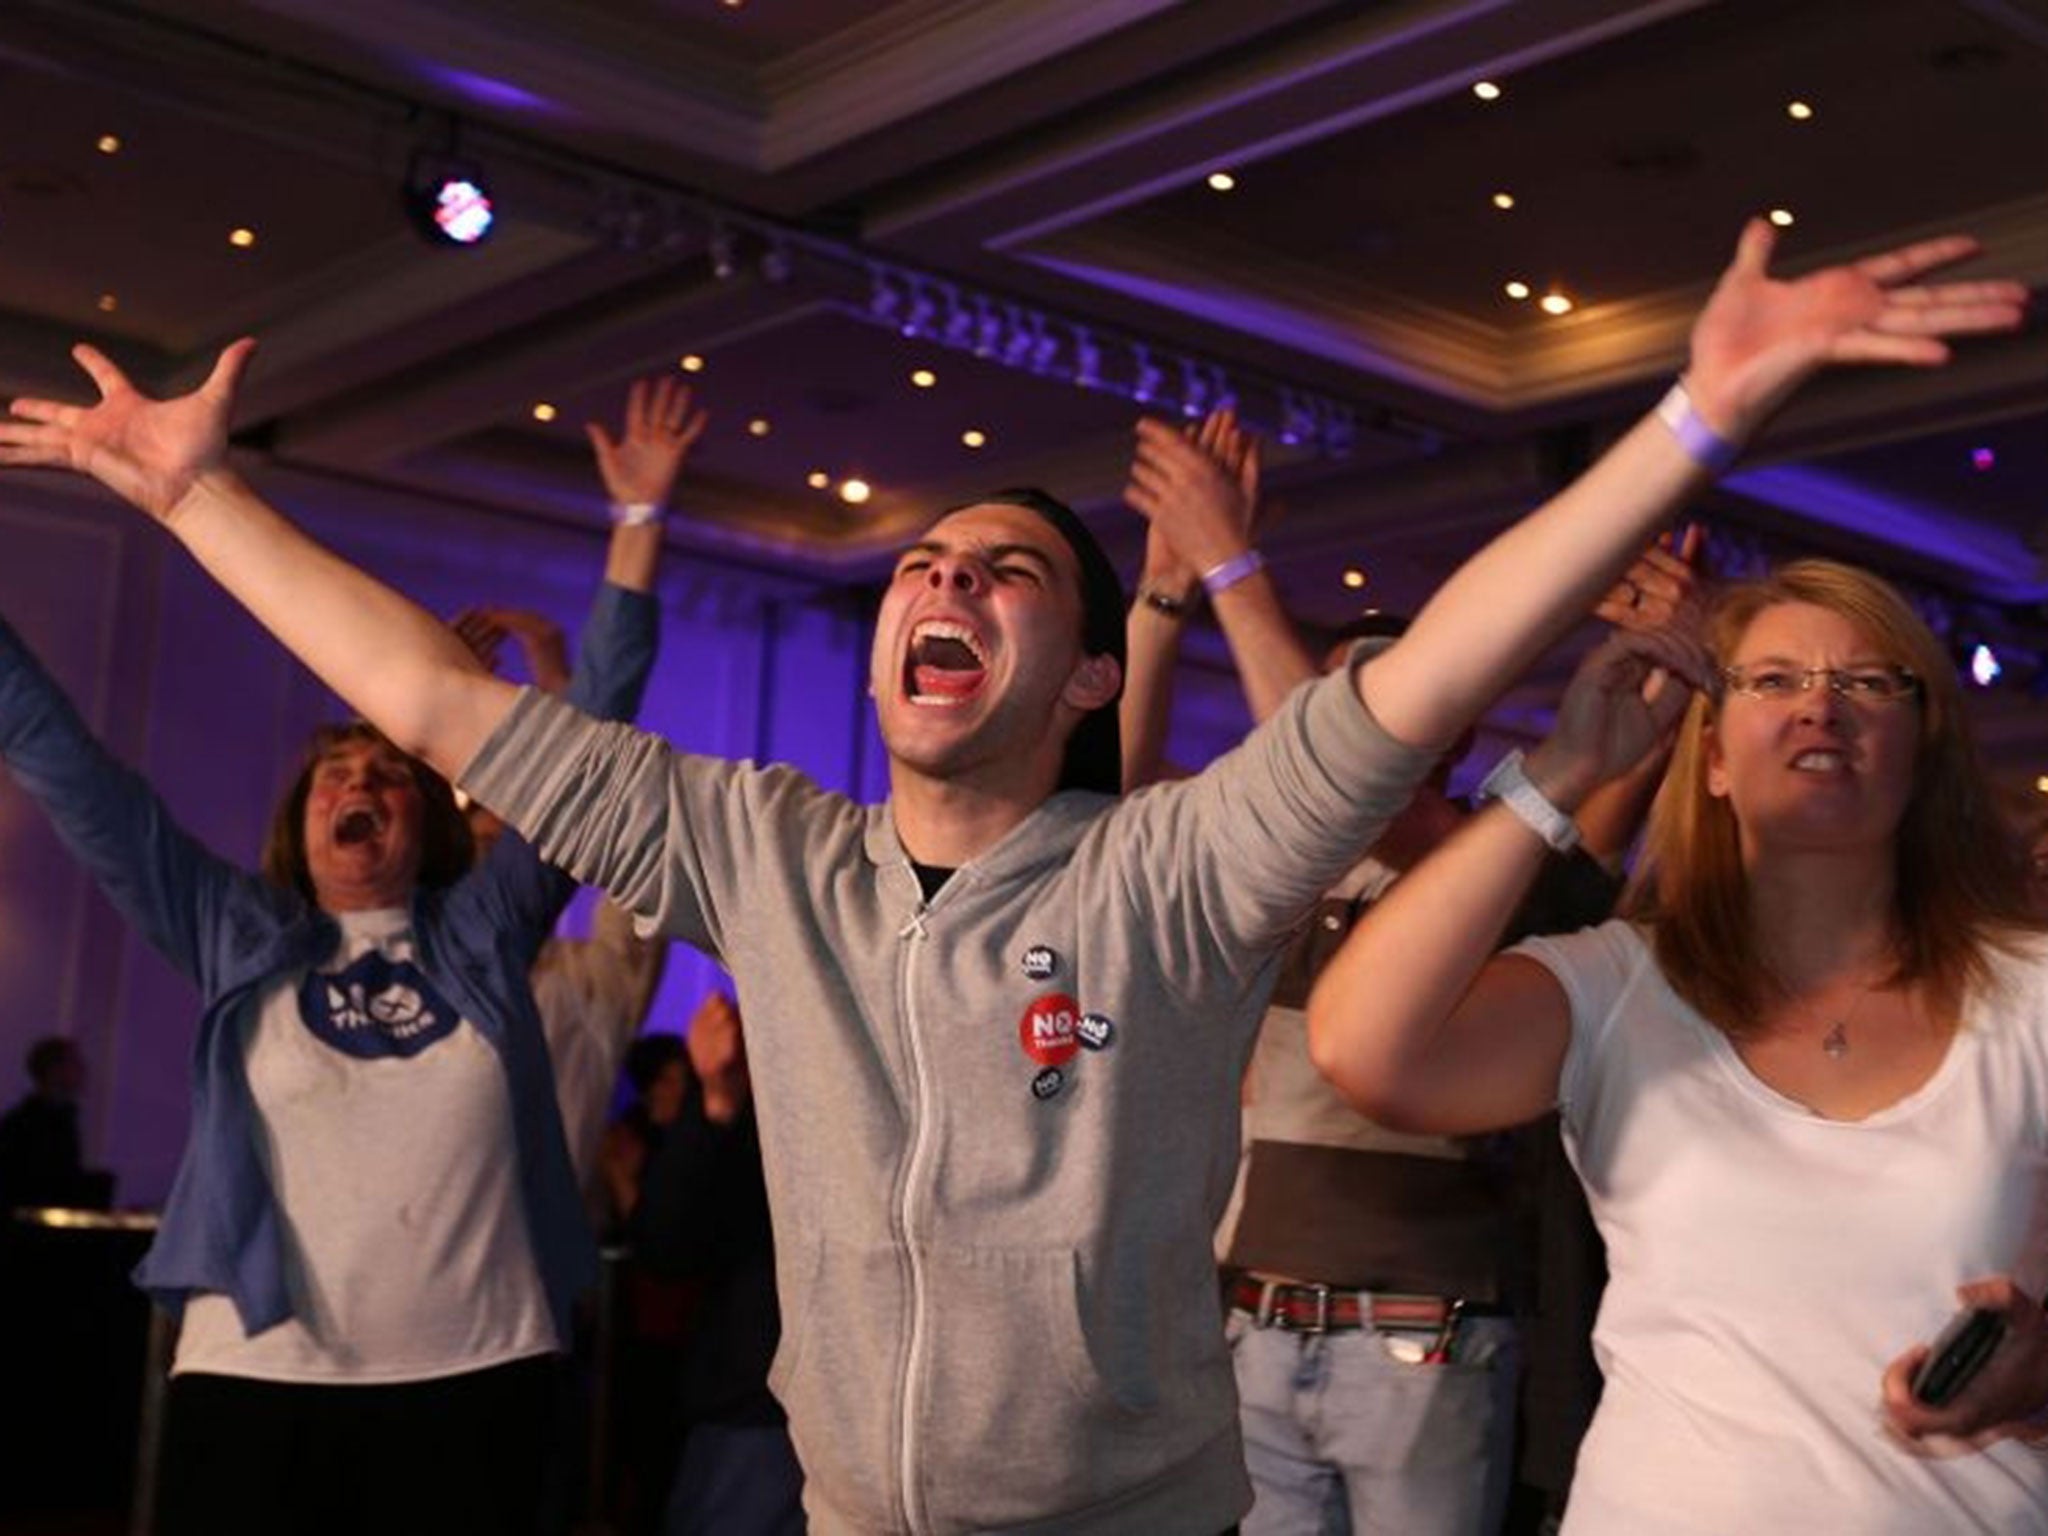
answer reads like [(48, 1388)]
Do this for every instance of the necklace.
[(1834, 1043)]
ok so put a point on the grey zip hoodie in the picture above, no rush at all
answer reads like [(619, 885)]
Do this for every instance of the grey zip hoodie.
[(998, 1128)]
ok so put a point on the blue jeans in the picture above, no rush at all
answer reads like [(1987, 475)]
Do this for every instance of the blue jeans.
[(1344, 1435), (737, 1480)]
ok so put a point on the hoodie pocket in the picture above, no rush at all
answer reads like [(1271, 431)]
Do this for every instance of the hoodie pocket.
[(836, 1373), (1015, 1419)]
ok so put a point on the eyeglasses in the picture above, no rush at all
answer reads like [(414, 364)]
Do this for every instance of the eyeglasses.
[(1859, 685)]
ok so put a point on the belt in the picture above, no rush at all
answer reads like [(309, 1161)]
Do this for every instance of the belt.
[(1303, 1308)]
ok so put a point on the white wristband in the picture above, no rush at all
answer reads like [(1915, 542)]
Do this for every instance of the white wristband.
[(634, 514), (1702, 444), (1510, 785)]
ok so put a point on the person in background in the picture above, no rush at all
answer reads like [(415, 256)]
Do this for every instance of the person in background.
[(593, 993), (41, 1158), (702, 1221), (1375, 1280)]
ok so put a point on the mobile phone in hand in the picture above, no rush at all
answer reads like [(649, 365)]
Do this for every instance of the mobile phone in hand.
[(1957, 1354)]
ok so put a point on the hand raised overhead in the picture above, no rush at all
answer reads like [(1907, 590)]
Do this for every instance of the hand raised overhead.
[(641, 464), (149, 452), (1200, 491), (1760, 336)]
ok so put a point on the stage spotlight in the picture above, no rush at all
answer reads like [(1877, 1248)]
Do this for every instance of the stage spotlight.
[(1045, 346), (1017, 350), (922, 308), (724, 252), (1087, 359), (449, 200), (1340, 432), (960, 326), (1147, 375), (988, 329), (1297, 419), (885, 299), (1985, 668)]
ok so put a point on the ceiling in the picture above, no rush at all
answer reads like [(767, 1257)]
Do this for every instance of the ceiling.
[(781, 187)]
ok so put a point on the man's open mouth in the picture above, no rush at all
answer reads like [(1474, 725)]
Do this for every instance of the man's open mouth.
[(946, 663)]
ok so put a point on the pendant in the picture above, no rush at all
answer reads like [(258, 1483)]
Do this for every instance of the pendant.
[(1836, 1041)]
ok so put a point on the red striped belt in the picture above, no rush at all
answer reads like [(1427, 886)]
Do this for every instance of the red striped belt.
[(1302, 1308)]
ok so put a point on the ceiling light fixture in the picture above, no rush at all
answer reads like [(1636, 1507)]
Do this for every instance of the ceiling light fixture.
[(544, 412), (1515, 288), (1782, 217), (108, 304), (924, 378), (241, 237), (1486, 90), (691, 363), (759, 427), (1798, 111), (108, 144), (974, 437), (817, 480), (1354, 578), (854, 492), (448, 199), (1503, 201), (1222, 181), (1555, 303)]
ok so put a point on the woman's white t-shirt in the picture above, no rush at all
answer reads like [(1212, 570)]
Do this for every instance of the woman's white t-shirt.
[(1767, 1264), (385, 1127)]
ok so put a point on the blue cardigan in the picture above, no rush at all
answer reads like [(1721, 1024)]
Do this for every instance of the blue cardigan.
[(234, 934)]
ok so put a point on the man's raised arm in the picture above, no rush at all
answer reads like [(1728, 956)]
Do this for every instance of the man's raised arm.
[(390, 658)]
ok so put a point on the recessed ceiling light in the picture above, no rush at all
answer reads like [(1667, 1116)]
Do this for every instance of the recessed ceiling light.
[(1782, 217), (974, 437), (1354, 578), (759, 427), (1555, 304), (691, 363), (108, 303), (1221, 181), (817, 479), (1515, 288), (241, 237), (732, 5), (1486, 90), (2041, 784), (1503, 201), (854, 491), (109, 144), (924, 378), (543, 412), (1798, 111)]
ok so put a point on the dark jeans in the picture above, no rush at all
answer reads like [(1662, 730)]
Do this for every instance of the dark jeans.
[(458, 1453)]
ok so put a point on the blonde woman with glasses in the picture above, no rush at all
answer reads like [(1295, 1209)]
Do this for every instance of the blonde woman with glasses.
[(1805, 1083)]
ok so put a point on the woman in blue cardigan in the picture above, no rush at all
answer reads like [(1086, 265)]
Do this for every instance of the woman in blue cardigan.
[(375, 1237)]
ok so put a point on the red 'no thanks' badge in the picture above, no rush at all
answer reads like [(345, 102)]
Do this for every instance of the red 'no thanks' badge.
[(1049, 1029)]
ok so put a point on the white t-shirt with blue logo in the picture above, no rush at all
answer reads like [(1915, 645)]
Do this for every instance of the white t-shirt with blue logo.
[(385, 1125)]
